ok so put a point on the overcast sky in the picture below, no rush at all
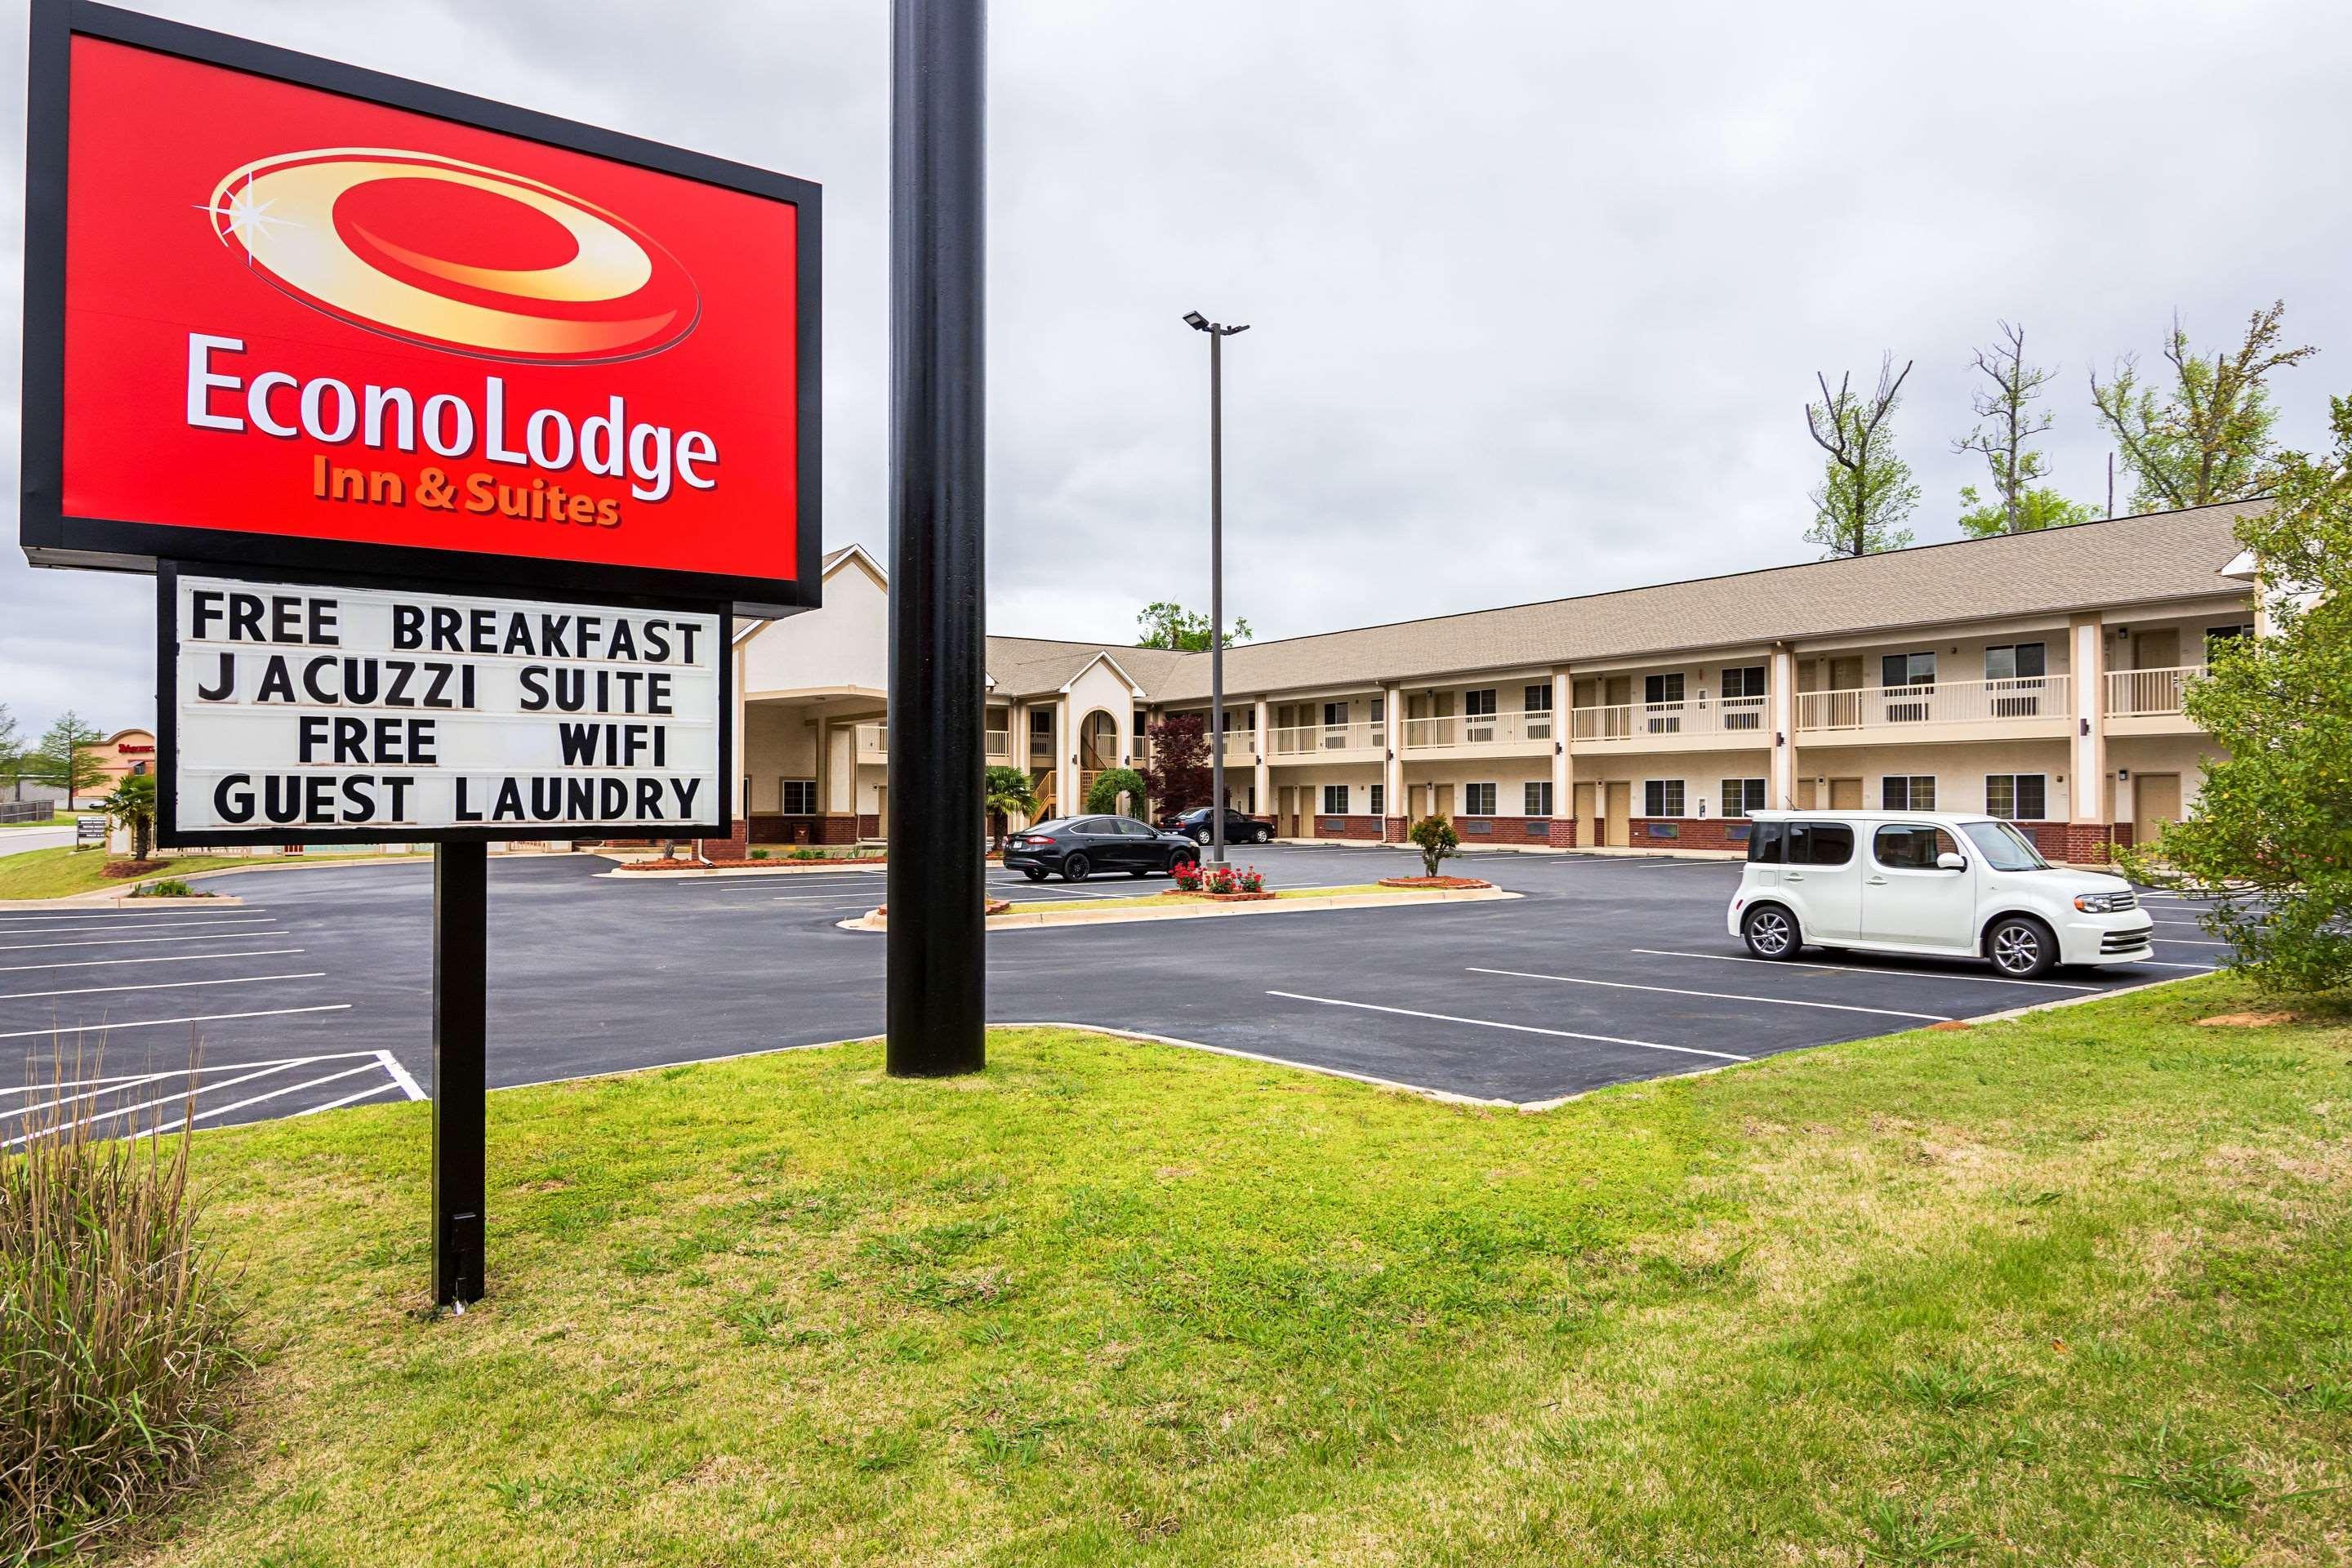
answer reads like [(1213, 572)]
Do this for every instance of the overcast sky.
[(1538, 291)]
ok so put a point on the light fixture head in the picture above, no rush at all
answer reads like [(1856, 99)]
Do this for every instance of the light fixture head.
[(1197, 322)]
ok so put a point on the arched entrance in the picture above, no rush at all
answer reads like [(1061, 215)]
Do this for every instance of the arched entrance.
[(1097, 750)]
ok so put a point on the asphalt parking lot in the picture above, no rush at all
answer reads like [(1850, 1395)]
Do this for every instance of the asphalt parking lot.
[(314, 993)]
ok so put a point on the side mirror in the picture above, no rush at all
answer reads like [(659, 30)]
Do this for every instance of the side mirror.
[(1947, 861)]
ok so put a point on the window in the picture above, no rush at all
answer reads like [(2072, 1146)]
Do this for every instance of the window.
[(1743, 698), (1911, 848), (2005, 848), (1538, 799), (1765, 842), (1911, 791), (1741, 796), (798, 797), (2220, 639), (1907, 669), (1380, 710), (1539, 697), (1819, 844), (1335, 715), (2016, 661), (2016, 797), (1478, 704), (1379, 802), (1664, 696), (1040, 737), (1662, 797), (1478, 800), (1335, 800)]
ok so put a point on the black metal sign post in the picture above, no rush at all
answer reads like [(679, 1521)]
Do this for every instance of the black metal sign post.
[(937, 878), (461, 910)]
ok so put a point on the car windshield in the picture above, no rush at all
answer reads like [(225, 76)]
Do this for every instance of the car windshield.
[(2005, 848)]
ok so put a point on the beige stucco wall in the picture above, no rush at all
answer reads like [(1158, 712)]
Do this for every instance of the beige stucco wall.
[(846, 643), (1959, 770)]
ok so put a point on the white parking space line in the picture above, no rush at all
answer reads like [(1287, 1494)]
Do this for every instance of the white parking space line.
[(138, 923), (100, 1028), (157, 908), (1516, 1029), (245, 1072), (129, 940), (167, 958), (160, 985), (2194, 925), (368, 1093), (1854, 969), (401, 1075), (1716, 996), (294, 1088)]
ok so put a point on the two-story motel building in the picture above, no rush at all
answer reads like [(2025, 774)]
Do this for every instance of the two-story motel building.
[(2037, 676)]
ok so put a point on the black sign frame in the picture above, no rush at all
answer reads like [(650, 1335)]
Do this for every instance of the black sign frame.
[(167, 724), (51, 537)]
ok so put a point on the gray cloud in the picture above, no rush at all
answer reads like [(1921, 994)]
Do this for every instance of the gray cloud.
[(1538, 291)]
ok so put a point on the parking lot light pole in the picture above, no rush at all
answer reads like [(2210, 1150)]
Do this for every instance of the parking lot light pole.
[(1218, 332)]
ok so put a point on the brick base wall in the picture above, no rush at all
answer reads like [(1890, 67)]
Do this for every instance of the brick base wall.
[(1692, 833), (1476, 830), (735, 848), (1396, 830), (2077, 843), (1371, 829), (1563, 832), (812, 829)]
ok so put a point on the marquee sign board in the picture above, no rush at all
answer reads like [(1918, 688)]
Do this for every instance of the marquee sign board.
[(297, 713), (287, 315)]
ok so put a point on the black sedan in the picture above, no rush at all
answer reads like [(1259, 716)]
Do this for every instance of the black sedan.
[(1077, 847), (1195, 825)]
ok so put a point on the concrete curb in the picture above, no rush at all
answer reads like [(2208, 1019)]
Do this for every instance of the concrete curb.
[(1399, 898)]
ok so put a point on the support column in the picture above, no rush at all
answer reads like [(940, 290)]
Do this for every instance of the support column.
[(1398, 812), (460, 1068), (936, 995), (1262, 774), (1780, 702), (1563, 765), (2086, 781), (1065, 756)]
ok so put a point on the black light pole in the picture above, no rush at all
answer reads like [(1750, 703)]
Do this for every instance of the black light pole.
[(1218, 332), (937, 987)]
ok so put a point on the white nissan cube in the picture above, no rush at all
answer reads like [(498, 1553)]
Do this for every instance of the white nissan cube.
[(1928, 883)]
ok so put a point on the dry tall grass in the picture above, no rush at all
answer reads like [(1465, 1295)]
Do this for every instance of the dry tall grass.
[(115, 1340)]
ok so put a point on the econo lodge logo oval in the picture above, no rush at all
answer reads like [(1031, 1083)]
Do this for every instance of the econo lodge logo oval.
[(454, 256)]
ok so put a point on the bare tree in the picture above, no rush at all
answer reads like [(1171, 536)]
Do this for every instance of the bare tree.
[(2209, 438), (2015, 385), (1867, 490)]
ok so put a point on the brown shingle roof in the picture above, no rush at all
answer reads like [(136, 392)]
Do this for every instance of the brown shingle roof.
[(1025, 667), (2123, 560)]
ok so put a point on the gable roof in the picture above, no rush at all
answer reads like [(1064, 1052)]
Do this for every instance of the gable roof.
[(1025, 667)]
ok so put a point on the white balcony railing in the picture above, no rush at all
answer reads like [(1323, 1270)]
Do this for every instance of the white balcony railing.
[(873, 742), (1647, 721), (2018, 701), (2148, 693), (1477, 730), (1000, 745), (1306, 740)]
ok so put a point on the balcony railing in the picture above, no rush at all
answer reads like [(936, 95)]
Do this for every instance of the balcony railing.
[(1000, 745), (1306, 740), (2148, 693), (2024, 698), (873, 742), (1477, 730), (1646, 720)]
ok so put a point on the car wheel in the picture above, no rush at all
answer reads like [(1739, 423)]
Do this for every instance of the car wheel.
[(1263, 835), (1772, 932), (1034, 873), (1075, 868), (2021, 948), (1201, 837), (1175, 861)]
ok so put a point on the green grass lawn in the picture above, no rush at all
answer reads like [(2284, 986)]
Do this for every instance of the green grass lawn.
[(55, 873), (2075, 1288)]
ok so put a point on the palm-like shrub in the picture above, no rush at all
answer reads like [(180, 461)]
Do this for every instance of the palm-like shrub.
[(1435, 838)]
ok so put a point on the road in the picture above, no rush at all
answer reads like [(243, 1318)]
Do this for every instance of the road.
[(315, 991)]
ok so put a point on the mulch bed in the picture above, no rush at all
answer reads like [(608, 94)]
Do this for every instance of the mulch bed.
[(118, 869), (1433, 883), (664, 864)]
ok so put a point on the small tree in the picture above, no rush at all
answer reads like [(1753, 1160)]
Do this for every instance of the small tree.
[(66, 752), (132, 804), (1167, 623), (1179, 778), (1437, 841), (1866, 491), (2272, 831), (1008, 790), (2009, 423), (1112, 783), (2209, 437)]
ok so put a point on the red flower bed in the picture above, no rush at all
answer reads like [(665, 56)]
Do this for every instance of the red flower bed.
[(1219, 881), (1433, 883), (1214, 898)]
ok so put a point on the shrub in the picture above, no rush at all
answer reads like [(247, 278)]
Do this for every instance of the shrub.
[(806, 853), (1112, 783), (1187, 876), (758, 855), (1194, 877), (115, 1340), (1436, 839)]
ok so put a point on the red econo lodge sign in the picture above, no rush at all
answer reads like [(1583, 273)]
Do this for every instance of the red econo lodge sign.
[(285, 313)]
